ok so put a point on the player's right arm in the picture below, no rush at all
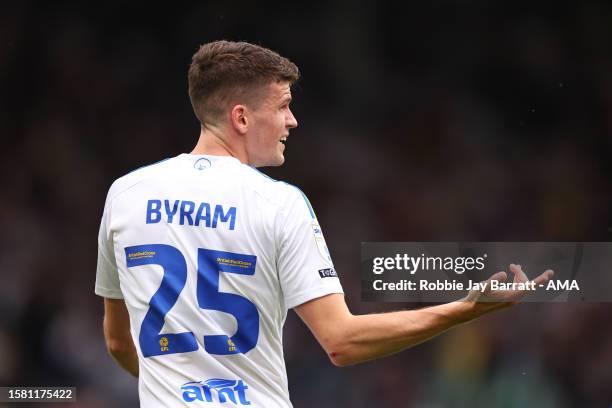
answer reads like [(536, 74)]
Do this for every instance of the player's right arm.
[(311, 287), (350, 339), (117, 335), (116, 325)]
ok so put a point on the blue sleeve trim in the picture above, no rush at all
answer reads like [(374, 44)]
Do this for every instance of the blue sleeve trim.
[(260, 173), (312, 213)]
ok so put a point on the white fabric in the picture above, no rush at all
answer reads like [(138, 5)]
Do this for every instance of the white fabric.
[(273, 221)]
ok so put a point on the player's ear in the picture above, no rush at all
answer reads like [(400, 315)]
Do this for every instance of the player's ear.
[(238, 119)]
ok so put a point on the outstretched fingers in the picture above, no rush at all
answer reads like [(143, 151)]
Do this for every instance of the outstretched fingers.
[(508, 295), (544, 277), (519, 275)]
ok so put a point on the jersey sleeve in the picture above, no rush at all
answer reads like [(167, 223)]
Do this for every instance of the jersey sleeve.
[(304, 264), (107, 275)]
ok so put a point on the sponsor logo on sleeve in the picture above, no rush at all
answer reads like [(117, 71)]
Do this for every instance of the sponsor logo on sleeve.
[(328, 273)]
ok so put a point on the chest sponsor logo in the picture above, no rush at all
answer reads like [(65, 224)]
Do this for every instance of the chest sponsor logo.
[(217, 390)]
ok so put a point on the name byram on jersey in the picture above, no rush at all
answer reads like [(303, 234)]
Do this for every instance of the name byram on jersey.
[(184, 212)]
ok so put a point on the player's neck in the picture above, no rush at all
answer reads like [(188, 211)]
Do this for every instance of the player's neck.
[(212, 142)]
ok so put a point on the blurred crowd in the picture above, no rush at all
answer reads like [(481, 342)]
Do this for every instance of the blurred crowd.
[(443, 121)]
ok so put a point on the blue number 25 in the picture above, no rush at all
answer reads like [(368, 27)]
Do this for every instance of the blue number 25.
[(210, 265)]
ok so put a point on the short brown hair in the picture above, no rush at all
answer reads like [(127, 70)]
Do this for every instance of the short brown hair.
[(224, 72)]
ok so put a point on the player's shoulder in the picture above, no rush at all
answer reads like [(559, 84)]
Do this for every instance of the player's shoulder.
[(275, 190), (282, 193), (136, 176)]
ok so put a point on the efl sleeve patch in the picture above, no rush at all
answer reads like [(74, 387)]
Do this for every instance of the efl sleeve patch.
[(320, 241)]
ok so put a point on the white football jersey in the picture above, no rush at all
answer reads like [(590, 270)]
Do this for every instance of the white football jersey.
[(209, 254)]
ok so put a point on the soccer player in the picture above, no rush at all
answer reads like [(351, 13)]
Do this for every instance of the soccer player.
[(201, 255)]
